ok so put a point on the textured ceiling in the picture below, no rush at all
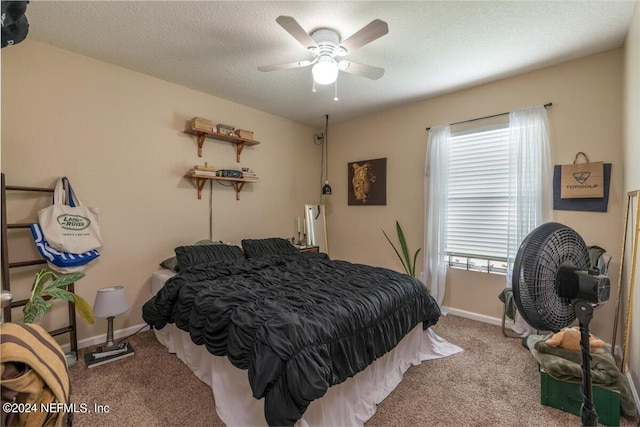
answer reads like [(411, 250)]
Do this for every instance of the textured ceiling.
[(431, 48)]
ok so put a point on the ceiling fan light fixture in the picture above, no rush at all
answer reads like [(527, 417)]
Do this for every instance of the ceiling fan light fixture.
[(325, 71), (326, 45)]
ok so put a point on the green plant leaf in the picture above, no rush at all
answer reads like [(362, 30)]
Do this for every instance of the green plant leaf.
[(42, 277), (403, 245), (67, 279), (409, 267), (30, 313), (397, 253), (415, 257), (55, 292), (84, 309), (40, 305)]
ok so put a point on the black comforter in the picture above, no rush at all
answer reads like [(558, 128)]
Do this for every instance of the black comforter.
[(299, 323)]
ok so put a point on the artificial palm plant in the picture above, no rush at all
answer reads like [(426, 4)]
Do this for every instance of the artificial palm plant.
[(409, 267)]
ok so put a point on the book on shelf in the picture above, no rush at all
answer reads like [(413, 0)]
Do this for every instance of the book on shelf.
[(96, 359), (225, 129), (249, 176), (206, 168)]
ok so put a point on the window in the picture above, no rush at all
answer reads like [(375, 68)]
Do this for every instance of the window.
[(483, 227), (478, 199)]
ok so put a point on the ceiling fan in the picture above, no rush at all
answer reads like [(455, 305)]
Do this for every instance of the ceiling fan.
[(326, 46)]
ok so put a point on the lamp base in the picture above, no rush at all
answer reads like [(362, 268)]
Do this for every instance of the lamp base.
[(108, 354), (110, 350)]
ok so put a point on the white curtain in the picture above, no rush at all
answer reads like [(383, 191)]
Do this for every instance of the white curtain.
[(436, 188), (530, 192)]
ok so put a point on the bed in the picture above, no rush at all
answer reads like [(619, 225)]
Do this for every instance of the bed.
[(286, 338)]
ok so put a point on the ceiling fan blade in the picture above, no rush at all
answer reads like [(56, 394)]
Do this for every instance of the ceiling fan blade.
[(292, 27), (370, 32), (284, 66), (363, 70)]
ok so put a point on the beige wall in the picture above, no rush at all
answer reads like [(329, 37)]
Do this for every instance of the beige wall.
[(632, 174), (117, 135), (586, 116)]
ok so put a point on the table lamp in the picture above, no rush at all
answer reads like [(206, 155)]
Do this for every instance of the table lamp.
[(109, 303)]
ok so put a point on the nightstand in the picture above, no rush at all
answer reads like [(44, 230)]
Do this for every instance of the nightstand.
[(315, 249)]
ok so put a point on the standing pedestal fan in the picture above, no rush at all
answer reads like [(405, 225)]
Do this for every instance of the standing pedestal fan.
[(552, 286)]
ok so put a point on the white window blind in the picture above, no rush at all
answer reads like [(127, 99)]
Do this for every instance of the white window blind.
[(478, 194)]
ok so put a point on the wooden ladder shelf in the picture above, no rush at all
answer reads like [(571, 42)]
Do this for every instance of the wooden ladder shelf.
[(5, 266)]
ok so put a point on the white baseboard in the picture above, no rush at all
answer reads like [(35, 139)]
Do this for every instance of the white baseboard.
[(102, 338), (473, 316)]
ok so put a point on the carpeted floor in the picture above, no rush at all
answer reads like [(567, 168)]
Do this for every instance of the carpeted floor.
[(494, 382)]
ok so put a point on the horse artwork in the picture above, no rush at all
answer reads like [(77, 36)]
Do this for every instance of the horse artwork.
[(367, 182)]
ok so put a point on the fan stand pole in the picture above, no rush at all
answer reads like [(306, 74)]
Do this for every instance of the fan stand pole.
[(584, 313)]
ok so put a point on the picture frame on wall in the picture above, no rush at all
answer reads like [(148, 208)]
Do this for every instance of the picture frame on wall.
[(367, 182)]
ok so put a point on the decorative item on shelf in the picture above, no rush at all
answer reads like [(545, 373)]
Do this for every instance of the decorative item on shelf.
[(229, 173), (206, 170), (110, 302), (227, 134), (200, 124), (244, 134), (249, 175), (225, 129)]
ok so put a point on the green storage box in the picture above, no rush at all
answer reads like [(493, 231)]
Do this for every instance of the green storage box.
[(568, 397)]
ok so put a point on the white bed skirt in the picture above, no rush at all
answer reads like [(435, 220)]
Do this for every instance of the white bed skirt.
[(350, 403)]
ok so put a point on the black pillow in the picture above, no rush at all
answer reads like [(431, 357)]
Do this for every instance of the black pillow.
[(272, 246), (189, 256), (172, 263)]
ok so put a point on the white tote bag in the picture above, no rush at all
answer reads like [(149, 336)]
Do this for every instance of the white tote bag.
[(68, 225)]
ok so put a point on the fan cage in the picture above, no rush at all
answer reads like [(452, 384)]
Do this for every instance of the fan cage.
[(540, 255)]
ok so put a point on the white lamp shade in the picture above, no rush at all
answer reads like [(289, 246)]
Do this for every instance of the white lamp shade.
[(325, 71), (110, 301)]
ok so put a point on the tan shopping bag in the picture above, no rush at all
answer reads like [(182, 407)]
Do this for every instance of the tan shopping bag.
[(68, 225), (582, 180)]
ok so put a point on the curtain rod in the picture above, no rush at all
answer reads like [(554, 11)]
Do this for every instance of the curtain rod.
[(549, 104)]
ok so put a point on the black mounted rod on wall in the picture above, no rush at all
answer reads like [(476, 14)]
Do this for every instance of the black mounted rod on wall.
[(547, 105)]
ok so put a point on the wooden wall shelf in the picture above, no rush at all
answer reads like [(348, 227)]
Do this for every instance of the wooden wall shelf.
[(238, 183), (240, 143)]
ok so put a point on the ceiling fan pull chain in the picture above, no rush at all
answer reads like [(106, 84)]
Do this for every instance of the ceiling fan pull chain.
[(335, 90), (313, 85)]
